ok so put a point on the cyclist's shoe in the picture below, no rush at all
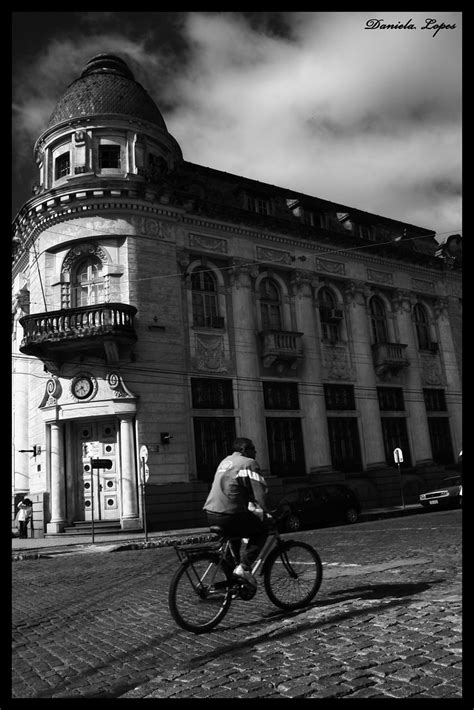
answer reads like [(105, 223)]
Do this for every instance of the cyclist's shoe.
[(246, 575)]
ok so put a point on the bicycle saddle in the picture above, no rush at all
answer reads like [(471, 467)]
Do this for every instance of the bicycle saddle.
[(217, 530)]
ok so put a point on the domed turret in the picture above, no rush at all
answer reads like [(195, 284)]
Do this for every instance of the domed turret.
[(106, 86), (105, 127)]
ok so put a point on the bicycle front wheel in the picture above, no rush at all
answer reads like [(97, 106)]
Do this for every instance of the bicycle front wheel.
[(200, 593), (293, 575)]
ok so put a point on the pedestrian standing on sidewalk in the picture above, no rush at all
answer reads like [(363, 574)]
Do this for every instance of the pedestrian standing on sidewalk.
[(237, 503), (25, 512)]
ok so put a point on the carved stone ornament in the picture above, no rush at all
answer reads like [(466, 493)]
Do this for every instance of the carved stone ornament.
[(440, 307), (240, 273), (422, 285), (84, 249), (357, 292), (210, 353), (336, 363), (430, 374), (380, 276), (329, 266), (209, 243), (153, 227), (401, 302), (53, 388), (116, 384), (273, 255)]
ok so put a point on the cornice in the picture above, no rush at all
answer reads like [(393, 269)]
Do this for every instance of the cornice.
[(49, 210), (318, 249)]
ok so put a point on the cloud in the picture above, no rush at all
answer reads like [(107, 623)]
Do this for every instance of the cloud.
[(306, 100)]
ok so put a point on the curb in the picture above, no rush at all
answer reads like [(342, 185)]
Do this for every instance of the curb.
[(119, 547), (171, 540)]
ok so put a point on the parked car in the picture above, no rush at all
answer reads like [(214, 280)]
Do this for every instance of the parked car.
[(448, 495), (318, 504)]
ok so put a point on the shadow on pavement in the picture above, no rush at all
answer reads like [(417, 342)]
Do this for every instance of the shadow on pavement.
[(401, 591), (377, 591)]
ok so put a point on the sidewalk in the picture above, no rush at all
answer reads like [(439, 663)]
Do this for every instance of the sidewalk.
[(34, 548)]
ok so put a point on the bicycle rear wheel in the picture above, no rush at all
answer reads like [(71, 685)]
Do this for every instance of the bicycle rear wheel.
[(200, 593), (293, 574)]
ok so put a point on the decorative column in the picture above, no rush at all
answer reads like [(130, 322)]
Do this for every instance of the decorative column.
[(58, 483), (128, 473), (20, 377), (314, 420), (250, 401), (451, 372), (417, 424), (355, 296)]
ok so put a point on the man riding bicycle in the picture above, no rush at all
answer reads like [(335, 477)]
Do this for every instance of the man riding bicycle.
[(237, 503)]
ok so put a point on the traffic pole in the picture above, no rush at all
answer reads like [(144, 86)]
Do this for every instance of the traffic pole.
[(92, 499), (143, 500), (401, 484)]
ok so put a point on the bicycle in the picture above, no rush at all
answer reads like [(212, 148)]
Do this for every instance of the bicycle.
[(203, 587)]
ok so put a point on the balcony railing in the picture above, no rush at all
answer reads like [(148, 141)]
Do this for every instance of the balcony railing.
[(389, 357), (49, 335), (281, 347)]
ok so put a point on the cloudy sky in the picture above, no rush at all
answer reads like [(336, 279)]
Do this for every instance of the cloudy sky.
[(312, 101)]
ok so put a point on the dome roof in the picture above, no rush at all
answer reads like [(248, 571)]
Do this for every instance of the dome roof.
[(106, 86)]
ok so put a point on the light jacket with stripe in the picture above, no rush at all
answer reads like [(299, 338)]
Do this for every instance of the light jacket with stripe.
[(237, 482)]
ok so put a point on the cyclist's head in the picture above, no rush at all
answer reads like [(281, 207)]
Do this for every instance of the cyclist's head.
[(244, 446)]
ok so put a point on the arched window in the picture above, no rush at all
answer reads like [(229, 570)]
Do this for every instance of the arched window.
[(378, 321), (87, 283), (204, 290), (421, 327), (270, 305), (327, 311)]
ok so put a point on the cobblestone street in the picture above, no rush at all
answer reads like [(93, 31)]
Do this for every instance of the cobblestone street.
[(385, 624)]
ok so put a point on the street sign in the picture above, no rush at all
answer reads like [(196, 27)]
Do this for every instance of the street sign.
[(92, 448), (398, 455), (144, 452), (101, 463)]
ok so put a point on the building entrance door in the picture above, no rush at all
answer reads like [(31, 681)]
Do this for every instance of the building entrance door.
[(101, 490)]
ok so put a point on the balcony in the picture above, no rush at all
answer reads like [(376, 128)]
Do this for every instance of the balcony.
[(104, 330), (389, 357), (280, 348)]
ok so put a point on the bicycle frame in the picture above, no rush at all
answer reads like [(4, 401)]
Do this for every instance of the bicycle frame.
[(223, 549)]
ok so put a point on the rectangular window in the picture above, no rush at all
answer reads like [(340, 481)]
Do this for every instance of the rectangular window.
[(391, 399), (209, 393), (434, 400), (109, 156), (314, 219), (440, 438), (280, 395), (344, 443), (262, 206), (257, 204), (271, 316), (62, 166), (394, 430), (365, 232), (339, 397), (285, 447), (213, 439), (204, 308), (422, 334)]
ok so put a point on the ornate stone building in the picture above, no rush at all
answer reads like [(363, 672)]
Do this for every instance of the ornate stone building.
[(160, 308)]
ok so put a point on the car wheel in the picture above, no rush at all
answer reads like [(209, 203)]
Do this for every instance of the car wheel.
[(352, 516), (293, 523)]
